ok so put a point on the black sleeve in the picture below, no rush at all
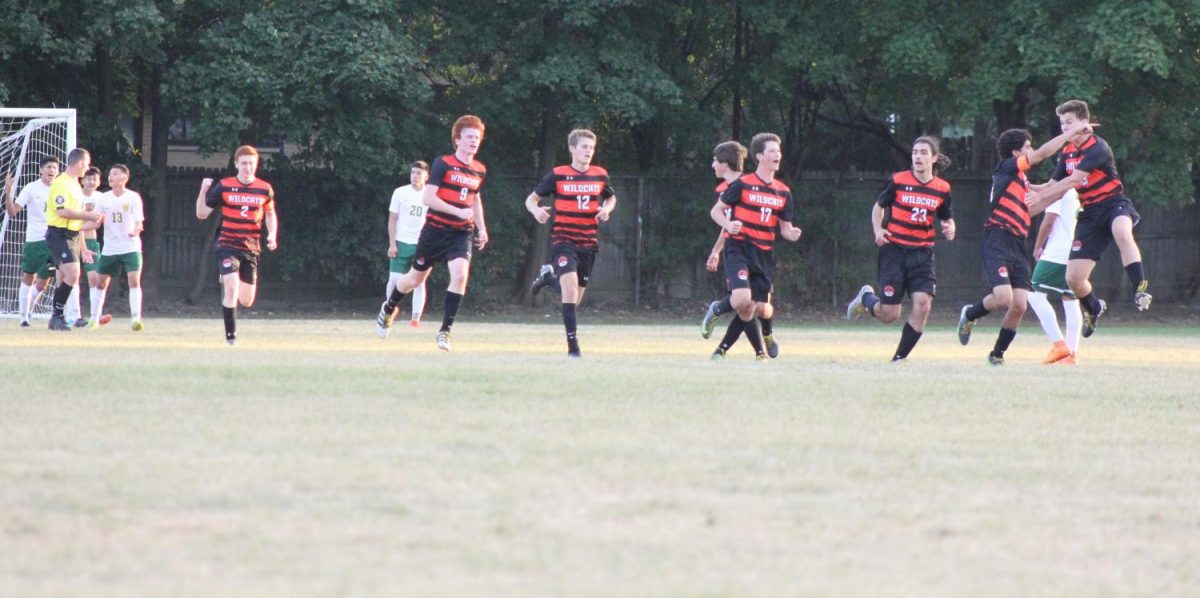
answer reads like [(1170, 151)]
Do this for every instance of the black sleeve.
[(1060, 169), (213, 199), (608, 190), (437, 173), (888, 196), (788, 210), (732, 194), (944, 212), (545, 188)]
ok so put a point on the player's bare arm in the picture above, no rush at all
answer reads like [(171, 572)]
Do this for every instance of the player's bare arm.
[(202, 209), (272, 223), (1043, 234), (540, 213), (481, 234), (97, 217), (393, 218), (436, 203), (881, 233), (948, 229), (789, 232), (714, 256), (1051, 147), (1040, 200), (9, 183), (717, 212), (606, 210)]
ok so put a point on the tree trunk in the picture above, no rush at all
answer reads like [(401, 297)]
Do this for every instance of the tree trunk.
[(159, 196), (538, 250), (104, 87)]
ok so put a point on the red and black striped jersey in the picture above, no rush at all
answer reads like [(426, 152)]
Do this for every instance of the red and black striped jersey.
[(243, 208), (457, 184), (728, 211), (759, 206), (1007, 203), (910, 207), (577, 199), (1094, 157)]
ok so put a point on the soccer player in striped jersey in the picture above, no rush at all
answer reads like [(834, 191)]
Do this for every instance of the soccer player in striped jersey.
[(758, 204), (35, 258), (1006, 262), (902, 219), (455, 211), (1052, 251), (247, 204), (583, 198), (1087, 165), (406, 217), (124, 221), (65, 216), (728, 159)]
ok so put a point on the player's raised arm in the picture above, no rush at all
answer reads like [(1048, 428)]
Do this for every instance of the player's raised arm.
[(1052, 192), (12, 208), (1051, 147), (203, 209)]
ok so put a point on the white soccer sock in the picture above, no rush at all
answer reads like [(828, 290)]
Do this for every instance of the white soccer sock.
[(97, 299), (135, 303), (32, 299), (1074, 323), (418, 302), (23, 301), (1045, 315), (73, 309), (393, 278)]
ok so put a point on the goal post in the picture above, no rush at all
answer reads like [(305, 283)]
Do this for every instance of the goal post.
[(27, 135)]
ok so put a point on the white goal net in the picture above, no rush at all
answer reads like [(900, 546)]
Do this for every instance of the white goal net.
[(26, 136)]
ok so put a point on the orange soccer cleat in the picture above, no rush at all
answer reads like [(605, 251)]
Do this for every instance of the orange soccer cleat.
[(1057, 353)]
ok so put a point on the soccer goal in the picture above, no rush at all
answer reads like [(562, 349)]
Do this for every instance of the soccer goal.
[(26, 136)]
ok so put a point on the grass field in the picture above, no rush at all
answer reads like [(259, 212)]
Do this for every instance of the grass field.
[(314, 459)]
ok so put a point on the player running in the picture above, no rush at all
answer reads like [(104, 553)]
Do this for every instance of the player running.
[(902, 219), (247, 203), (406, 216), (1006, 262), (583, 198), (750, 209), (456, 209)]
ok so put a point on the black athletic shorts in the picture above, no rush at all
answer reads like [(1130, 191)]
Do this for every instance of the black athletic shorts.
[(1006, 261), (568, 258), (747, 266), (905, 270), (437, 244), (1093, 229), (60, 242), (245, 263)]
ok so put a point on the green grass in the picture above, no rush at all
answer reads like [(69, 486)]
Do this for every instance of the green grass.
[(314, 459)]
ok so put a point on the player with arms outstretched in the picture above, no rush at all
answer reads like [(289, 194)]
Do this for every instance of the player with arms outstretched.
[(35, 258)]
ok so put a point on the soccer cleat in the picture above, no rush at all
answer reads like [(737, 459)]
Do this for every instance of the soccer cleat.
[(575, 354), (105, 319), (761, 357), (383, 322), (1141, 298), (443, 340), (857, 309), (138, 326), (1090, 320), (544, 279), (24, 323), (80, 323), (1057, 353), (231, 341), (1068, 360), (59, 323), (771, 346), (718, 355), (900, 360), (710, 320), (414, 323), (995, 361), (964, 326)]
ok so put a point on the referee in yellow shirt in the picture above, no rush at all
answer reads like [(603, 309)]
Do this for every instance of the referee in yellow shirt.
[(65, 216)]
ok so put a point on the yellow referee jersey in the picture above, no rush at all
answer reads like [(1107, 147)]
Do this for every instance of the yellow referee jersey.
[(66, 193)]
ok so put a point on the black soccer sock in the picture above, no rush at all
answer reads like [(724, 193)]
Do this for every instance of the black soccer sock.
[(1090, 303), (230, 314), (452, 301), (754, 335), (870, 300), (61, 293), (767, 325), (976, 311), (1136, 274), (725, 305), (395, 299), (568, 313), (736, 327), (1003, 341), (908, 339)]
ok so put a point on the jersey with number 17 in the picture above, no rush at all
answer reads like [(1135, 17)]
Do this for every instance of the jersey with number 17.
[(457, 184)]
